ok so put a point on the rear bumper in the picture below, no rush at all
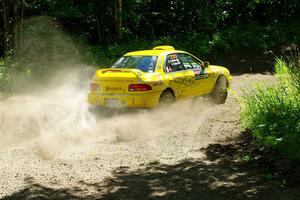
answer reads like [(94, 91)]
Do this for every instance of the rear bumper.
[(137, 100)]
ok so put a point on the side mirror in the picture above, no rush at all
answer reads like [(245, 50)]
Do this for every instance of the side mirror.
[(206, 64)]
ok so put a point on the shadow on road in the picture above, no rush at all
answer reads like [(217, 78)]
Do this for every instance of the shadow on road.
[(223, 175)]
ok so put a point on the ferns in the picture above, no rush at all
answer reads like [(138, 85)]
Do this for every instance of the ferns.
[(273, 112)]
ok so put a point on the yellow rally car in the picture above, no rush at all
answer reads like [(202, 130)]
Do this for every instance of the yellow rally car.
[(158, 76)]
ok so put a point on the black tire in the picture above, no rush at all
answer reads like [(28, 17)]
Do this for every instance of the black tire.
[(220, 92), (166, 98)]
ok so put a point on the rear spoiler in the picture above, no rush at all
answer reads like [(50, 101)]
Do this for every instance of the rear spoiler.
[(137, 72)]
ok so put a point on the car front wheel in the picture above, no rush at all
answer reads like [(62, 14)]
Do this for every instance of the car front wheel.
[(220, 92)]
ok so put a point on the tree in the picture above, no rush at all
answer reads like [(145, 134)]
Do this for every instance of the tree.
[(100, 14), (118, 9), (12, 15)]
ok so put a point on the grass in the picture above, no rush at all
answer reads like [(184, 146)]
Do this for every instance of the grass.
[(273, 112)]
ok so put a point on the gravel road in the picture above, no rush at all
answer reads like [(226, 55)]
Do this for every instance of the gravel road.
[(49, 140)]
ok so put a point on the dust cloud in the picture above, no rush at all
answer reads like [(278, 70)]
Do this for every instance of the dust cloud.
[(62, 125), (52, 112)]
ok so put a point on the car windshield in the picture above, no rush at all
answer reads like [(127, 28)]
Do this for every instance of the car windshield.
[(143, 63)]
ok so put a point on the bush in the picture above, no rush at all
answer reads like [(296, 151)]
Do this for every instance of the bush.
[(4, 77), (273, 112)]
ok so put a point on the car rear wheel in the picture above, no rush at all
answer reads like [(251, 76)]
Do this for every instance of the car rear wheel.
[(220, 92), (166, 98)]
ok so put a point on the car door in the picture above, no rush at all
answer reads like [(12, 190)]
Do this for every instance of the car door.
[(180, 80), (202, 78)]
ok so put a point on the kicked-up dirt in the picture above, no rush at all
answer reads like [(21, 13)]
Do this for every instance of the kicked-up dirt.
[(53, 146)]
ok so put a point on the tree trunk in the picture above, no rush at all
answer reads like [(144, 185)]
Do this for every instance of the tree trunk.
[(285, 11), (100, 20), (118, 18), (16, 28), (21, 22), (154, 11), (11, 29), (154, 5), (6, 27)]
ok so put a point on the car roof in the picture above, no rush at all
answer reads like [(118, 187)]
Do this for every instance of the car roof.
[(156, 51), (151, 52)]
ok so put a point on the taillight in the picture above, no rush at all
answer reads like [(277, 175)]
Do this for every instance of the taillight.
[(139, 87), (94, 87)]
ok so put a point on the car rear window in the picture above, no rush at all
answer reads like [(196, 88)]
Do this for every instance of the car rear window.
[(143, 63)]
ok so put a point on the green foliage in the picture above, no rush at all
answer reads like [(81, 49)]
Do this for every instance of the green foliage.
[(228, 40), (247, 158), (85, 31), (40, 55), (3, 74), (273, 112), (154, 19)]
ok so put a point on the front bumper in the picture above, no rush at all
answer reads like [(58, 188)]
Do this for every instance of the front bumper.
[(229, 78), (137, 100)]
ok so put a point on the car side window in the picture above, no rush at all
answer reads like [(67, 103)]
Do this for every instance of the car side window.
[(189, 62), (173, 63)]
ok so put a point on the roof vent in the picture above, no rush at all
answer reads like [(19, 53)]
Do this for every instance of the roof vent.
[(164, 48)]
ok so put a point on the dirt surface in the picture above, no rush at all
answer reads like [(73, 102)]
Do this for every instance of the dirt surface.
[(53, 147)]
